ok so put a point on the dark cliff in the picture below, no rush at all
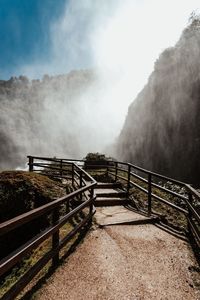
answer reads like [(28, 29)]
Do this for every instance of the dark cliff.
[(162, 128)]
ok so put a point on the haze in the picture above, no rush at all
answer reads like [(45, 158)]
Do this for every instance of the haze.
[(120, 41)]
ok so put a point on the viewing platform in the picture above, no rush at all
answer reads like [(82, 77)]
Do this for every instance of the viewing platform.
[(132, 236)]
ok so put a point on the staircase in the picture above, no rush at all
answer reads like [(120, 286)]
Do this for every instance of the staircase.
[(109, 198), (110, 194)]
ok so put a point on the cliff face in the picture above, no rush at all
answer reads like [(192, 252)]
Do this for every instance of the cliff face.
[(162, 128)]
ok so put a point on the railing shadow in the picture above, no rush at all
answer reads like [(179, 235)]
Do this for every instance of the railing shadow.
[(51, 271)]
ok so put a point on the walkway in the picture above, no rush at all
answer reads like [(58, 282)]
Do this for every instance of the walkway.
[(129, 262)]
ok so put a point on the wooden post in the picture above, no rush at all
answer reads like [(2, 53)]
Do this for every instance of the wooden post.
[(61, 167), (30, 163), (72, 174), (128, 182), (81, 184), (107, 164), (91, 196), (149, 194), (189, 217), (190, 197), (116, 166), (55, 237), (67, 207)]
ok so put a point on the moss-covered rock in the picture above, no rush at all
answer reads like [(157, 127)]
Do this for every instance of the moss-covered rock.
[(20, 192)]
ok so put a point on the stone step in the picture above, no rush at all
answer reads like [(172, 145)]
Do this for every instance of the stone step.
[(141, 221), (110, 201), (111, 194), (104, 185)]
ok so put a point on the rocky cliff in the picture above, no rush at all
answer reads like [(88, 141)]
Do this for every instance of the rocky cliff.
[(162, 128)]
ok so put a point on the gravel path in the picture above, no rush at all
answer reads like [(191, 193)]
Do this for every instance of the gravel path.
[(125, 263)]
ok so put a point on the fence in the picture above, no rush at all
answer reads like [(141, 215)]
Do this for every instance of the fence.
[(190, 200), (84, 185)]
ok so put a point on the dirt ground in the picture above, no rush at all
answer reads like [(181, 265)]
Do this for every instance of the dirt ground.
[(125, 263)]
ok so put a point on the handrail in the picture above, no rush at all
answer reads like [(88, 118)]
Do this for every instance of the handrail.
[(156, 174), (152, 173), (83, 185), (194, 216), (113, 165), (37, 212), (189, 210), (12, 259), (56, 158), (193, 191)]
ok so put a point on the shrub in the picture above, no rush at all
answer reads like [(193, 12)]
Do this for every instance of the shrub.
[(97, 159)]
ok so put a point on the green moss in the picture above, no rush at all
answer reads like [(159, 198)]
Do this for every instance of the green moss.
[(22, 191)]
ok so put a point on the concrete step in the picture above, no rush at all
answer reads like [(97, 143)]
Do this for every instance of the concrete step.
[(142, 221), (104, 185), (111, 194), (110, 201)]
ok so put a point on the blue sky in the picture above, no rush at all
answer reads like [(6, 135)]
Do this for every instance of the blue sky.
[(24, 32), (40, 37)]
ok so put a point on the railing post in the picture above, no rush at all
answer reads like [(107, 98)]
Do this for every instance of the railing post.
[(190, 197), (61, 167), (55, 237), (128, 182), (72, 174), (81, 184), (107, 163), (91, 197), (67, 208), (30, 163), (116, 170), (81, 178), (189, 212), (149, 194)]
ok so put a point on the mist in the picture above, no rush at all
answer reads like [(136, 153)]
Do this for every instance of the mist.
[(112, 45)]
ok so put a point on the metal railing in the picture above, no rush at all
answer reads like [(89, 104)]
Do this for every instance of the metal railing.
[(193, 213), (83, 185), (150, 183)]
